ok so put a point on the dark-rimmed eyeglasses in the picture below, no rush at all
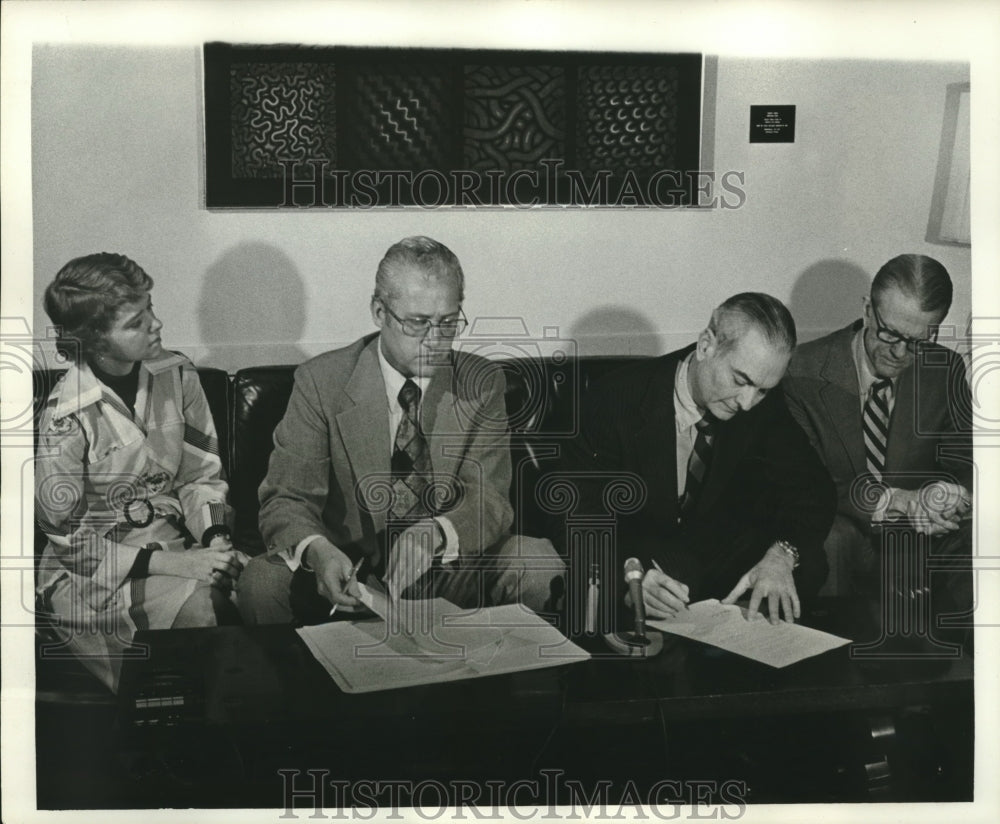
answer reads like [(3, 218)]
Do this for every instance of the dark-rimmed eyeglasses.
[(421, 327), (892, 337)]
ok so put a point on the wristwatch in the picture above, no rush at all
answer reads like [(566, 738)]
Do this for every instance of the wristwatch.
[(789, 550)]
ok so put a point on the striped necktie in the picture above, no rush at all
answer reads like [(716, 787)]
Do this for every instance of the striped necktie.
[(698, 463), (411, 464), (875, 426)]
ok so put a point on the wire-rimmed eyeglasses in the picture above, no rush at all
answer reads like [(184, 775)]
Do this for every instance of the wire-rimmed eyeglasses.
[(421, 327)]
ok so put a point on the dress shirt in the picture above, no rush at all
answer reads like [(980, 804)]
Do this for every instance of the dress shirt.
[(686, 416), (866, 379)]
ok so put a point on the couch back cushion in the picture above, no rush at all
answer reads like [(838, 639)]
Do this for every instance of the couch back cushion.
[(260, 397), (544, 398)]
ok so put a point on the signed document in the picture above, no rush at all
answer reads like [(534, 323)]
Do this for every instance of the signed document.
[(436, 642), (727, 627)]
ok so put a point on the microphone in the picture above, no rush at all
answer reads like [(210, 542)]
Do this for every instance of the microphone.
[(635, 644), (633, 578)]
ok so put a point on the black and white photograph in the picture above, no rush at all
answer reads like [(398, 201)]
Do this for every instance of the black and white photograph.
[(515, 410)]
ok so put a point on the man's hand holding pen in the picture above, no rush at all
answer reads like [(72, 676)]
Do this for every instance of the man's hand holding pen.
[(334, 572), (662, 596)]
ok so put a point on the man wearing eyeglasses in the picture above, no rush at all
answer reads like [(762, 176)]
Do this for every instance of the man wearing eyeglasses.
[(393, 453), (888, 410)]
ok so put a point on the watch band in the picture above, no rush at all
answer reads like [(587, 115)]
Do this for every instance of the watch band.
[(790, 549)]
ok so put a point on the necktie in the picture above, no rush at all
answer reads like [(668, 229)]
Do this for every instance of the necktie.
[(411, 463), (698, 463), (875, 427)]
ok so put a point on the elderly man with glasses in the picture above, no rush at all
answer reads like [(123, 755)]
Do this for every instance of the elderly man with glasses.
[(889, 412), (391, 465)]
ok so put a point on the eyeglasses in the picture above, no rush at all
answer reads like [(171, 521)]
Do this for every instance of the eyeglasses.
[(420, 327), (892, 337)]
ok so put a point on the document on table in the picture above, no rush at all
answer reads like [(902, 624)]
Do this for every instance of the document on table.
[(726, 626), (443, 643)]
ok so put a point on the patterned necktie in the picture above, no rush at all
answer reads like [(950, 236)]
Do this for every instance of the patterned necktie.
[(875, 426), (411, 463), (698, 463)]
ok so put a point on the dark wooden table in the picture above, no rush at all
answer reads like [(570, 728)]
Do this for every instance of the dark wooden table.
[(251, 713)]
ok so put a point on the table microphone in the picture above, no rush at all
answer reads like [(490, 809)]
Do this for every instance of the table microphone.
[(637, 643), (633, 577)]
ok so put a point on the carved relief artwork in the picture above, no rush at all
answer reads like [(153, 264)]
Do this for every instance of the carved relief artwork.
[(281, 110), (400, 117), (514, 116), (627, 118), (338, 127)]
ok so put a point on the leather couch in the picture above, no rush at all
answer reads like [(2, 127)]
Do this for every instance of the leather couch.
[(542, 400)]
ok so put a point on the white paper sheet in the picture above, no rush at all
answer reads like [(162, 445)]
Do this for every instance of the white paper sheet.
[(448, 644), (727, 627)]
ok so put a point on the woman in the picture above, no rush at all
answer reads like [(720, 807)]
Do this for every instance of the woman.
[(128, 483)]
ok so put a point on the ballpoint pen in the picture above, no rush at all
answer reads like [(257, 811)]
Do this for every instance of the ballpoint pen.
[(653, 561), (352, 576)]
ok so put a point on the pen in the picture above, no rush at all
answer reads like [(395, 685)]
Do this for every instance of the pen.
[(352, 576), (592, 595), (653, 560)]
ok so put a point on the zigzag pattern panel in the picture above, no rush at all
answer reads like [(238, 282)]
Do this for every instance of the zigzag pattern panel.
[(627, 118), (515, 116), (401, 117), (281, 111)]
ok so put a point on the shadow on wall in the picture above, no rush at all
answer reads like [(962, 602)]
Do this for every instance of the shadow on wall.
[(252, 308), (827, 296), (615, 330)]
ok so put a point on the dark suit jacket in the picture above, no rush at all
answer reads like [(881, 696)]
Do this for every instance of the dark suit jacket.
[(330, 469), (764, 482), (930, 433)]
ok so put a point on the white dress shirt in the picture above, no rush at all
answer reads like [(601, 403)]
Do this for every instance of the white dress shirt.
[(686, 416), (866, 380)]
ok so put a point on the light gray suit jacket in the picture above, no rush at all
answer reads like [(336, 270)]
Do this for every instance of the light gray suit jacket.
[(329, 473)]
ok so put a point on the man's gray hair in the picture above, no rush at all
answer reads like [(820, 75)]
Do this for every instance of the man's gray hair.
[(435, 260), (768, 315)]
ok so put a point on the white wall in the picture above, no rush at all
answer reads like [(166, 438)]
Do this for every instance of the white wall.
[(117, 165)]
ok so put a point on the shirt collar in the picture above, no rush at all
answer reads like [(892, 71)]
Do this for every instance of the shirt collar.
[(686, 411), (394, 379), (866, 377), (80, 387)]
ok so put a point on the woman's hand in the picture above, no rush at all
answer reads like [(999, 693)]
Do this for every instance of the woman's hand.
[(218, 567), (222, 579)]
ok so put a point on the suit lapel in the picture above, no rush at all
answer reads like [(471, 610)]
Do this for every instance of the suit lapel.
[(656, 436), (841, 397), (902, 422), (365, 429)]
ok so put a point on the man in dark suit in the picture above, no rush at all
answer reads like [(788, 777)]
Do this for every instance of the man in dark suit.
[(734, 497), (395, 450), (889, 412)]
